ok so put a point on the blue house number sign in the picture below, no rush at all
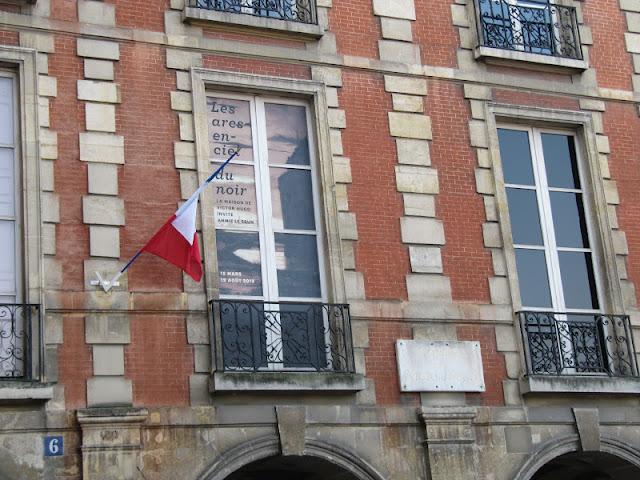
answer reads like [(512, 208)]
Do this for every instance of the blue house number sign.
[(53, 446)]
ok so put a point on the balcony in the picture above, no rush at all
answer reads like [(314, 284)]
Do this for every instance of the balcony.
[(585, 353), (21, 348), (298, 17), (282, 346), (532, 30)]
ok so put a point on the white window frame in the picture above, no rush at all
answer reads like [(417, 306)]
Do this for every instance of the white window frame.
[(550, 247), (17, 295), (266, 229)]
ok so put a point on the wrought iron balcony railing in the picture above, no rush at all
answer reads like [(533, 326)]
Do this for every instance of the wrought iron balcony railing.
[(21, 347), (578, 344), (303, 11), (532, 26), (285, 336)]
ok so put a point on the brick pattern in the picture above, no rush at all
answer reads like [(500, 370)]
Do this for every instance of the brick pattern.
[(159, 361), (356, 28), (74, 363), (493, 364)]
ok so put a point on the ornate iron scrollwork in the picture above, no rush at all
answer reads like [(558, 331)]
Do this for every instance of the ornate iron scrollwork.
[(532, 26), (290, 336), (17, 322), (302, 11), (571, 344)]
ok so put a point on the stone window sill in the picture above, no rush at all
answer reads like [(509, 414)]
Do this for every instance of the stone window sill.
[(580, 384), (192, 15), (531, 61), (285, 381), (25, 392)]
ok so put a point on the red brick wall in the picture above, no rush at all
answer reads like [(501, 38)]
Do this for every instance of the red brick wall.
[(159, 361), (139, 14), (74, 363), (435, 33), (149, 181), (609, 53), (64, 10), (515, 97), (258, 67), (8, 37), (373, 197), (622, 125), (492, 362), (380, 360), (67, 119), (356, 29), (465, 260)]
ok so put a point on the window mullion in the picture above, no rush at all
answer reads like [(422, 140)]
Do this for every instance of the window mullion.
[(544, 199), (270, 278)]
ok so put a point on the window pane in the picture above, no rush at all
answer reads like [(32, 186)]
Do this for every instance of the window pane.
[(578, 280), (560, 161), (516, 157), (7, 183), (297, 264), (292, 199), (533, 278), (229, 128), (524, 216), (239, 265), (6, 110), (287, 134), (7, 258), (568, 220), (235, 198)]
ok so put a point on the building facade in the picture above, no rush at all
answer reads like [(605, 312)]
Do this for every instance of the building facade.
[(420, 264)]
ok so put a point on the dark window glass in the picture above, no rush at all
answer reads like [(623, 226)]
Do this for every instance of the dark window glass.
[(516, 157), (560, 161), (239, 263), (524, 216), (578, 280), (533, 278), (297, 264), (569, 220)]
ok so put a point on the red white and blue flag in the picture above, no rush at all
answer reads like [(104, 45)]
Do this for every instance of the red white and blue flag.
[(177, 240)]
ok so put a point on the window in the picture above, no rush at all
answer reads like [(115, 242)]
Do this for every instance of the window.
[(294, 10), (545, 195), (562, 320), (9, 198), (268, 238)]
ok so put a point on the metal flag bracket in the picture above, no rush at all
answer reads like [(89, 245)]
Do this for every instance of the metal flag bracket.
[(105, 284)]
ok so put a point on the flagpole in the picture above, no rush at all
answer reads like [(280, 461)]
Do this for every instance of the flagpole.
[(106, 285)]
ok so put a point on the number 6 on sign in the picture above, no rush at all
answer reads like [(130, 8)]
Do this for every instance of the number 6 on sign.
[(53, 446)]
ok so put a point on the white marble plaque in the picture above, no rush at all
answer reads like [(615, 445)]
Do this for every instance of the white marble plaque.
[(437, 366)]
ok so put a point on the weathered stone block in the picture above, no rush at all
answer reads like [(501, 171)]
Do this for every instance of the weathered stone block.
[(99, 13), (100, 117), (408, 85), (396, 9), (183, 60), (181, 101), (411, 179), (104, 241), (102, 210), (409, 125), (407, 103), (348, 226), (103, 178), (396, 29), (98, 69), (426, 231), (419, 205), (506, 338), (413, 152), (101, 49), (396, 51), (93, 90), (428, 288), (107, 329), (108, 360), (101, 147), (108, 391), (425, 259), (331, 76)]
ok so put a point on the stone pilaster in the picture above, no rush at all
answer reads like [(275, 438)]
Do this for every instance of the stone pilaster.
[(449, 440), (102, 209), (111, 442)]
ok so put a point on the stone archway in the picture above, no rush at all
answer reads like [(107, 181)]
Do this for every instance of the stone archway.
[(587, 466), (262, 456), (564, 459)]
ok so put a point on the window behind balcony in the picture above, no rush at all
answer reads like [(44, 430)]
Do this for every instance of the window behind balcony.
[(9, 200), (302, 11), (268, 233)]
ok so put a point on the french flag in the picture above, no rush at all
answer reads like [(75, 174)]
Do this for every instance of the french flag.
[(177, 241)]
